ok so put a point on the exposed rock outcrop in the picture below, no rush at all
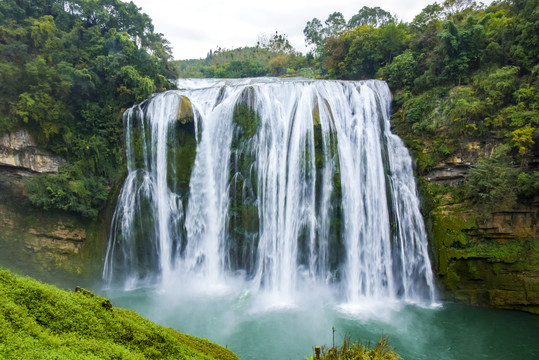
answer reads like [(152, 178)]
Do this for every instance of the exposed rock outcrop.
[(486, 259), (18, 149), (53, 246), (493, 261), (455, 168)]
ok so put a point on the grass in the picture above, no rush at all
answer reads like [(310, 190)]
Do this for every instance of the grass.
[(358, 351), (39, 321)]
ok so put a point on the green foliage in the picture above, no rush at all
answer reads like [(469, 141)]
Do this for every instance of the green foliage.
[(69, 191), (371, 16), (272, 55), (68, 69), (39, 321), (239, 69), (335, 25), (359, 53), (402, 71), (350, 350), (528, 185), (523, 140), (493, 181), (431, 13)]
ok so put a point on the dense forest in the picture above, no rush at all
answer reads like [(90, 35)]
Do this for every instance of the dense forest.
[(67, 70), (459, 72)]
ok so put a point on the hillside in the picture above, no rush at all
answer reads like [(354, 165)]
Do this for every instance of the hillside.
[(39, 321), (68, 70)]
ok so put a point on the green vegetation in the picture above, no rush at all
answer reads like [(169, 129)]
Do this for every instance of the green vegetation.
[(460, 73), (493, 181), (68, 69), (39, 321), (349, 350), (272, 55)]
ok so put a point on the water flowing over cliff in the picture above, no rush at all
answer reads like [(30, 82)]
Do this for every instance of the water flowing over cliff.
[(281, 183)]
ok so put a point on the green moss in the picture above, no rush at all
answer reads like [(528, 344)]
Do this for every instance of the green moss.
[(247, 120), (182, 148), (243, 218), (185, 110), (41, 321), (492, 250), (450, 229), (316, 114), (452, 279), (474, 265)]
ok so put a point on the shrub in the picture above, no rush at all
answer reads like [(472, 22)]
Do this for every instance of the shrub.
[(493, 181), (381, 351)]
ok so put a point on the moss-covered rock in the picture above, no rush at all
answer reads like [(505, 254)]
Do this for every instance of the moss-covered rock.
[(182, 148), (243, 220), (185, 110), (492, 261), (53, 246)]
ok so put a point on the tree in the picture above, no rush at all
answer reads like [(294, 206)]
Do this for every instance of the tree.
[(313, 32), (402, 71), (317, 34), (276, 43), (453, 7), (375, 16), (432, 12), (461, 48), (278, 65), (493, 181), (335, 24)]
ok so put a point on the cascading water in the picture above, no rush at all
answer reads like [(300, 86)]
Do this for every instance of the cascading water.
[(281, 183)]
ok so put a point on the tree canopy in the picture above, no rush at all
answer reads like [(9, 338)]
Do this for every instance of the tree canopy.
[(68, 68), (459, 72)]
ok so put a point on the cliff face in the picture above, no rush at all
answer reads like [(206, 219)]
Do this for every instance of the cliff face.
[(489, 259), (53, 246), (19, 150)]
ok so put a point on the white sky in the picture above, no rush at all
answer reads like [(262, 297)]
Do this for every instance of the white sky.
[(194, 27)]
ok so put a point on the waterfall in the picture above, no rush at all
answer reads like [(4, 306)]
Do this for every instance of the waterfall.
[(281, 183)]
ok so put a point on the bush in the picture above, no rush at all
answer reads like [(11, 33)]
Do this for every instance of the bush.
[(528, 185), (82, 195), (381, 351), (493, 181)]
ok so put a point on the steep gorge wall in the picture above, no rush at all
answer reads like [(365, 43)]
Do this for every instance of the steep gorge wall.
[(483, 259), (53, 246)]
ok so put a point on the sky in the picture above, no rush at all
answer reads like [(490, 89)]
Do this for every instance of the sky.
[(195, 27)]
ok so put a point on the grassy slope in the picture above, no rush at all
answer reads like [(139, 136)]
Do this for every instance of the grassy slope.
[(39, 321)]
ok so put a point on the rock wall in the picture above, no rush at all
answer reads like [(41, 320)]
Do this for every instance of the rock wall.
[(52, 246), (481, 259), (491, 261), (18, 149)]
